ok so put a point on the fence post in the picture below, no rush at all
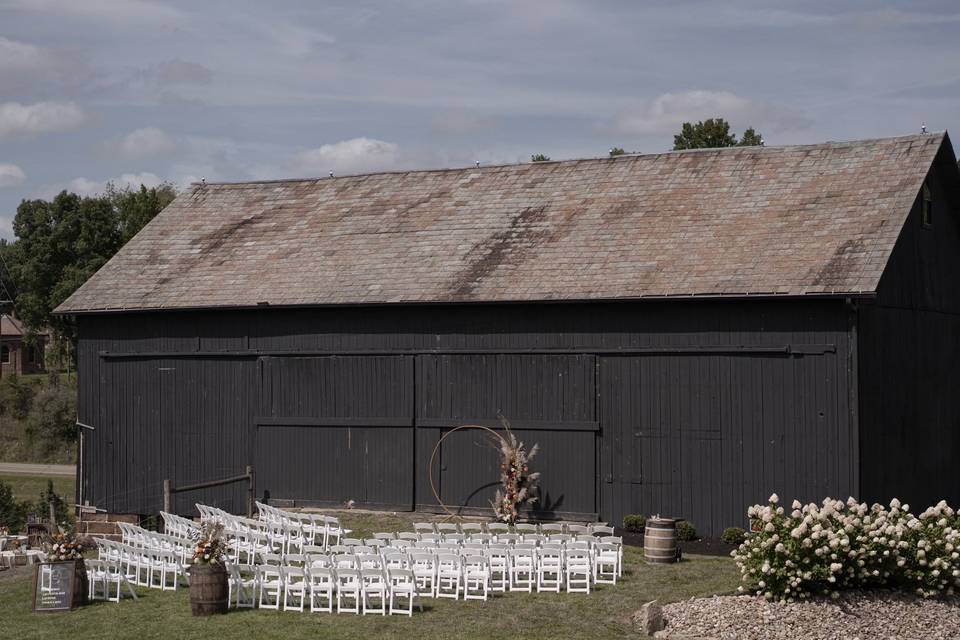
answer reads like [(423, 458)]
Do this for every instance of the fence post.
[(250, 491), (166, 496)]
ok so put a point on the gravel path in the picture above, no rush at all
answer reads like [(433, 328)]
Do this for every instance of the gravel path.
[(855, 615)]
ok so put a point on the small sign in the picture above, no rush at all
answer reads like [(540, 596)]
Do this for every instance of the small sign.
[(53, 586)]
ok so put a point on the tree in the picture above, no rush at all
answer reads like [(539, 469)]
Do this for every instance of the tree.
[(62, 242), (711, 133), (539, 157), (617, 151)]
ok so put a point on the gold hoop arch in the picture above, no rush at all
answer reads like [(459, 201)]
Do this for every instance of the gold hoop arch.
[(433, 456)]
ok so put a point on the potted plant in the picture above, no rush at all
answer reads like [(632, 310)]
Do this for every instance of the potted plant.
[(208, 574)]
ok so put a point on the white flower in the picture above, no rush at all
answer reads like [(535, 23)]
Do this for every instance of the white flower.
[(774, 499)]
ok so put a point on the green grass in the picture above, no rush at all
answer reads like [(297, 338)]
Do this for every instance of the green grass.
[(166, 615), (29, 487)]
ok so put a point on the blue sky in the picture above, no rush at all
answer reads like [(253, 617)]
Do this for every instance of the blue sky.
[(131, 91)]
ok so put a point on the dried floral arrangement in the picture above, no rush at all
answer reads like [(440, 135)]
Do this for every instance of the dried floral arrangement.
[(211, 546), (518, 486), (63, 545)]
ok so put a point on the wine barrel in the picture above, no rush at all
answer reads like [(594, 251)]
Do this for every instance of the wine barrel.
[(208, 589), (660, 541)]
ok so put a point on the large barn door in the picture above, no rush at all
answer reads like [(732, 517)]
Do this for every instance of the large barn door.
[(548, 399), (337, 428), (702, 436)]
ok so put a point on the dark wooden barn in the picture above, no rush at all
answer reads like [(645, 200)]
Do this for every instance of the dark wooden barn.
[(682, 333)]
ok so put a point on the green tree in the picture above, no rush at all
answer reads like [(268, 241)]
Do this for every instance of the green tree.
[(750, 138), (539, 157), (616, 151), (62, 242), (711, 133)]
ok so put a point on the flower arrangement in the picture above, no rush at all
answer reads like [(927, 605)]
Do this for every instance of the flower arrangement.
[(211, 546), (4, 532), (843, 545), (517, 485), (63, 545)]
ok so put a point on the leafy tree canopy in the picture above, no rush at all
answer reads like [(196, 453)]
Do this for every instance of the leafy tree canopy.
[(62, 242), (539, 157), (617, 151), (711, 133)]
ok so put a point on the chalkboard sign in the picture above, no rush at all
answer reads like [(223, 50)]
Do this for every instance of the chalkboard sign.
[(54, 584)]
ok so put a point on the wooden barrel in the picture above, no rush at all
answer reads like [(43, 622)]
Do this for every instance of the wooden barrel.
[(660, 541), (208, 589)]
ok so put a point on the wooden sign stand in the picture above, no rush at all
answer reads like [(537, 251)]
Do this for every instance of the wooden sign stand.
[(59, 586)]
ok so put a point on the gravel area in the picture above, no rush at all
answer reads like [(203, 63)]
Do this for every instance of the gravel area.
[(854, 615)]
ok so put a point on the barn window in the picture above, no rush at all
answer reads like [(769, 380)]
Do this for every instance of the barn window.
[(4, 354), (926, 207)]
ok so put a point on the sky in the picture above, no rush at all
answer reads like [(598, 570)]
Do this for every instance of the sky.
[(145, 91)]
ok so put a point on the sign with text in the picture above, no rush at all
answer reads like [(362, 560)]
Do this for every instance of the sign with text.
[(53, 586)]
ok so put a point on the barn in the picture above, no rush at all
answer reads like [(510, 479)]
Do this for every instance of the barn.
[(682, 333)]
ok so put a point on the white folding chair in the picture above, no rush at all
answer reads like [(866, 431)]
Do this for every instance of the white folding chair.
[(498, 557), (606, 563), (114, 574), (424, 569), (402, 585), (449, 572), (241, 590), (323, 583), (552, 528), (549, 570), (348, 591), (579, 571), (270, 581), (471, 528), (424, 527), (294, 588), (523, 568), (374, 587), (617, 541), (476, 578), (497, 528)]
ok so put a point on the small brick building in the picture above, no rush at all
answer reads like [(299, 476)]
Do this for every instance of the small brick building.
[(18, 354)]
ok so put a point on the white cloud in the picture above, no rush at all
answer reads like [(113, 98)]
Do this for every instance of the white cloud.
[(177, 72), (357, 155), (141, 143), (667, 112), (11, 175), (6, 227), (86, 187), (42, 117), (21, 57)]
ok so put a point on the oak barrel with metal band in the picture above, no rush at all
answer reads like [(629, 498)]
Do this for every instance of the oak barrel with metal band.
[(660, 541)]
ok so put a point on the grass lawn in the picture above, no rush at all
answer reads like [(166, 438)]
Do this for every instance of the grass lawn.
[(513, 615), (29, 487)]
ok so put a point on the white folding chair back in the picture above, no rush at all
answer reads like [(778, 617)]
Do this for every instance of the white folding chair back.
[(476, 577), (348, 591), (294, 588), (323, 585), (403, 587), (449, 573), (578, 571), (374, 587), (270, 584)]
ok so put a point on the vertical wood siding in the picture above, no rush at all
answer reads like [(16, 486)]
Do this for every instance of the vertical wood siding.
[(338, 404)]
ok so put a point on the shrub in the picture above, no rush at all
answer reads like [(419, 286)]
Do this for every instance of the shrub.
[(686, 531), (635, 522), (733, 535), (16, 397), (51, 421), (13, 514), (818, 549)]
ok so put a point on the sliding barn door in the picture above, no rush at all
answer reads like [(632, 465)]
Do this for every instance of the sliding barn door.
[(337, 428)]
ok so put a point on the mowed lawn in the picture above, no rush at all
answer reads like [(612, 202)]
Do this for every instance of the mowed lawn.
[(166, 615)]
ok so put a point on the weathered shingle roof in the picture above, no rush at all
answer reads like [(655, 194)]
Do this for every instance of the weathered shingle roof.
[(816, 219)]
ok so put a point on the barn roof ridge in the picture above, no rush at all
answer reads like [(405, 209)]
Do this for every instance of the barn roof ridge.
[(507, 165), (787, 221)]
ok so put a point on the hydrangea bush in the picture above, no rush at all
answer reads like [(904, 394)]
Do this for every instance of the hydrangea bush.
[(816, 549)]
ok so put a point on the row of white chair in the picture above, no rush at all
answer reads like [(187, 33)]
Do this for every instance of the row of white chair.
[(324, 589), (520, 528), (146, 567), (178, 526), (105, 575)]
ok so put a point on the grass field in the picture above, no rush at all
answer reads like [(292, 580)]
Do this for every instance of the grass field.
[(29, 487), (166, 615)]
